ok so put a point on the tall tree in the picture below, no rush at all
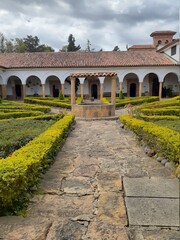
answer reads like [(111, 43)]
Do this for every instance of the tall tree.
[(2, 43), (116, 48), (31, 43), (44, 48), (71, 44), (19, 45), (88, 48)]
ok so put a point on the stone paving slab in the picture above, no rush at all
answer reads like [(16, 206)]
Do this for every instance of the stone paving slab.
[(109, 182), (102, 231), (65, 206), (66, 230), (111, 209), (77, 185), (151, 187), (153, 211), (19, 228)]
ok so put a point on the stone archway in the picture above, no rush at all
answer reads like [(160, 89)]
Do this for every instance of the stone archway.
[(53, 86), (33, 86), (131, 84), (132, 89), (14, 88), (94, 87), (152, 84), (171, 85)]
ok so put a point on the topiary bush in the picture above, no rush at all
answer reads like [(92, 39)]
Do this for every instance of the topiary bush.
[(121, 95)]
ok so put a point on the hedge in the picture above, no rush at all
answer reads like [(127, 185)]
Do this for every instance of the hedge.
[(47, 102), (22, 170), (157, 117), (161, 111), (162, 139), (24, 107), (104, 100), (19, 114), (123, 102), (41, 117)]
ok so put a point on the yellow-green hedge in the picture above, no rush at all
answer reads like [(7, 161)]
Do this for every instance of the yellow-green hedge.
[(135, 101), (22, 170), (20, 114), (157, 117), (161, 111), (24, 107), (162, 139), (104, 100), (47, 102)]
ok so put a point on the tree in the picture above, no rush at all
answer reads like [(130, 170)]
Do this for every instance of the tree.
[(71, 44), (44, 48), (89, 49), (19, 45), (64, 48), (9, 46), (2, 43), (116, 48), (31, 43)]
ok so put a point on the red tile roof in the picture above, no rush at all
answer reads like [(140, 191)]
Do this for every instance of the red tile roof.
[(174, 41), (160, 33), (84, 59), (142, 47)]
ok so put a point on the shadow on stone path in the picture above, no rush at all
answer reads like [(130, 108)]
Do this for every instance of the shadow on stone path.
[(83, 191)]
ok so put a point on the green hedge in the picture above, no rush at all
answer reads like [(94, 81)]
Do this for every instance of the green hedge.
[(157, 117), (24, 107), (140, 100), (19, 114), (104, 100), (22, 170), (39, 117), (47, 102), (161, 111), (162, 139)]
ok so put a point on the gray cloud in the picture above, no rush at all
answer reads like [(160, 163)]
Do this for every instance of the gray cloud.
[(105, 23)]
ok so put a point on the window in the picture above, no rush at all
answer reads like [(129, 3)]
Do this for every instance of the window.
[(173, 50)]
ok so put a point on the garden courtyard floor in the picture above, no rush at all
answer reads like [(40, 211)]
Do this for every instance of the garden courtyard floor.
[(102, 185)]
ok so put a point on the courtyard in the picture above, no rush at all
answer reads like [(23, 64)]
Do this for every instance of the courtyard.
[(102, 185)]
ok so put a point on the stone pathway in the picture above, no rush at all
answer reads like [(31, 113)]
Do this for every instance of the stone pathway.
[(101, 186)]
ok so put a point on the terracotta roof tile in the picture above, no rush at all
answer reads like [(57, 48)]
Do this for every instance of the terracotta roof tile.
[(84, 59), (158, 33), (168, 45), (142, 47)]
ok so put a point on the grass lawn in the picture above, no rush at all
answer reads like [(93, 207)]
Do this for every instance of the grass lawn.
[(16, 133), (174, 125)]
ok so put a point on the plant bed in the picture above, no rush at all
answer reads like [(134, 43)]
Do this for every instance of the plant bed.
[(21, 171), (162, 140)]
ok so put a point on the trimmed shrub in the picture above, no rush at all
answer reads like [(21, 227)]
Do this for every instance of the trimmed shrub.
[(61, 96), (121, 95), (24, 107), (79, 100), (140, 100), (47, 102), (22, 170), (161, 111), (157, 117), (104, 100), (19, 114), (161, 139)]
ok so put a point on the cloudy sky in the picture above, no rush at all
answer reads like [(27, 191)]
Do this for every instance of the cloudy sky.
[(106, 23)]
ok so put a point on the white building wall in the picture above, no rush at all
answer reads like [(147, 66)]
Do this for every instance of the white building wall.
[(177, 55)]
